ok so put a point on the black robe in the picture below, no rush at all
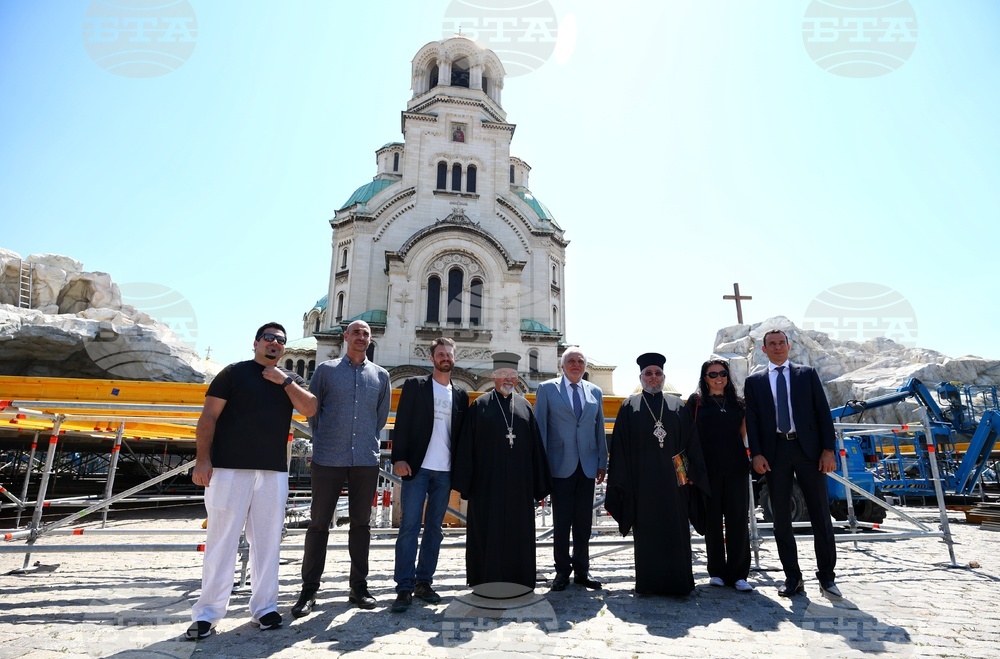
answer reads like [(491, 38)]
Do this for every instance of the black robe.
[(643, 493), (502, 484)]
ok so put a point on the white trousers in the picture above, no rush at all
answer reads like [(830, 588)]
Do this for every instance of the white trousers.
[(236, 498)]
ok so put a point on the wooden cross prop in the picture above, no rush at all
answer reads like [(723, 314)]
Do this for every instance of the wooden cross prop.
[(739, 298)]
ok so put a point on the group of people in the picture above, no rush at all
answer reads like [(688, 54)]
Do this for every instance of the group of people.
[(668, 464)]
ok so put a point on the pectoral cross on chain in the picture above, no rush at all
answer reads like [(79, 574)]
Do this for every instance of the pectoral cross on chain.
[(510, 436)]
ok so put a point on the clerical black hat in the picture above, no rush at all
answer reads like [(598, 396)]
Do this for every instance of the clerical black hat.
[(505, 360), (650, 359)]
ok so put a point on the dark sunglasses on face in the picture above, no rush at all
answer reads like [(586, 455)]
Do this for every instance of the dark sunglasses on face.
[(273, 337), (717, 374)]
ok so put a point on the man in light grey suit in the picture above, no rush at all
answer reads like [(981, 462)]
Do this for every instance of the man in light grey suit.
[(570, 414)]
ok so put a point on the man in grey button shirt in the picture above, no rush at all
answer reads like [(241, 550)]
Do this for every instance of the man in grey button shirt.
[(354, 396)]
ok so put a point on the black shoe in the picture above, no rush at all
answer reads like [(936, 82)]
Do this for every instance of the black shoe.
[(199, 630), (424, 591), (792, 587), (305, 604), (830, 590), (560, 582), (361, 598), (592, 584), (403, 601), (270, 620)]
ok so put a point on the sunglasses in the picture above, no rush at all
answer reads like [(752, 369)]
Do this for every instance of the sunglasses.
[(273, 337), (717, 374)]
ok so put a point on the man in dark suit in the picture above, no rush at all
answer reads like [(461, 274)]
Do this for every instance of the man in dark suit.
[(428, 416), (570, 415), (790, 432)]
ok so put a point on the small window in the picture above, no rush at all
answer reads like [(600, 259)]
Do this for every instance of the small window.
[(476, 302), (433, 80), (289, 364), (300, 368), (442, 180), (555, 317), (456, 177), (433, 299), (455, 281), (343, 259), (395, 162), (316, 327), (340, 307), (512, 174), (460, 73), (533, 361), (555, 272), (470, 179), (311, 369)]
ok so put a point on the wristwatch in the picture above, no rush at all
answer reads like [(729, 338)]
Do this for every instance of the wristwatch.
[(288, 381)]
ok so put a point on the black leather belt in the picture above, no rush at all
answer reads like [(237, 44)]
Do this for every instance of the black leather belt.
[(787, 435)]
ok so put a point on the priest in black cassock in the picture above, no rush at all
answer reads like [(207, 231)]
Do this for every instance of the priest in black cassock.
[(501, 468), (654, 449)]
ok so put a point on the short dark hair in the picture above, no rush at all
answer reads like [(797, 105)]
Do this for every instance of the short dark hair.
[(441, 341), (774, 331), (260, 331)]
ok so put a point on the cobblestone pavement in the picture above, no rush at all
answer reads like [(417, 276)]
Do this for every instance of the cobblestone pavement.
[(902, 598)]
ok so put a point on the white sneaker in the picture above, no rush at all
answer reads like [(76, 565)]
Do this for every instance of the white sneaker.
[(716, 581), (742, 586)]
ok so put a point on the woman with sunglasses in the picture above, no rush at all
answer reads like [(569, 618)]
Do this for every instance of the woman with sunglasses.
[(720, 417)]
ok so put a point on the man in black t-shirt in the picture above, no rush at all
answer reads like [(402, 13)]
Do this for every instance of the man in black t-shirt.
[(241, 461)]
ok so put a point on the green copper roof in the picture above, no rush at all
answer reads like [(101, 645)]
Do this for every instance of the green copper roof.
[(528, 325), (367, 191), (321, 303), (536, 205), (372, 317)]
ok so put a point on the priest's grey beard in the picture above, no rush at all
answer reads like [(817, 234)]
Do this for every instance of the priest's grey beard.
[(506, 388), (649, 389)]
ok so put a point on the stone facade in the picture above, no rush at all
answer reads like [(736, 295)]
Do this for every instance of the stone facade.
[(447, 239)]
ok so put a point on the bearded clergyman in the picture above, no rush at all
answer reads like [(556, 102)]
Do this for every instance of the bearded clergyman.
[(501, 468), (655, 465)]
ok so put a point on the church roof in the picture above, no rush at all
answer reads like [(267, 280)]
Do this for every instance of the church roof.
[(528, 325), (372, 317), (304, 344), (321, 303), (368, 190), (536, 205)]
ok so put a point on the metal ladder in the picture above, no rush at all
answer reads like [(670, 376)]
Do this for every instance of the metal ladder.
[(24, 285)]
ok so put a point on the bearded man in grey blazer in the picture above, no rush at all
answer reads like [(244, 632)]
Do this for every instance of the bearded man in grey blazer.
[(570, 414)]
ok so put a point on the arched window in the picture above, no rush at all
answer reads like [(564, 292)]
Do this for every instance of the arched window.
[(343, 259), (470, 179), (289, 364), (433, 299), (555, 317), (476, 302), (486, 85), (456, 177), (460, 73), (395, 162), (340, 307), (300, 368), (311, 369), (533, 361), (442, 181), (316, 328), (512, 174), (433, 80), (555, 279), (455, 281), (370, 353)]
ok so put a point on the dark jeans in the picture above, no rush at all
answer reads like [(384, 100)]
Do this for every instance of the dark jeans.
[(326, 485), (572, 506), (434, 487)]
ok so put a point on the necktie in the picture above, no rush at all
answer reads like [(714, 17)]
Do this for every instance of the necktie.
[(784, 418), (577, 403)]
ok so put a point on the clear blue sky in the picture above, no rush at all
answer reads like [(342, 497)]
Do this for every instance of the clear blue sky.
[(683, 146)]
